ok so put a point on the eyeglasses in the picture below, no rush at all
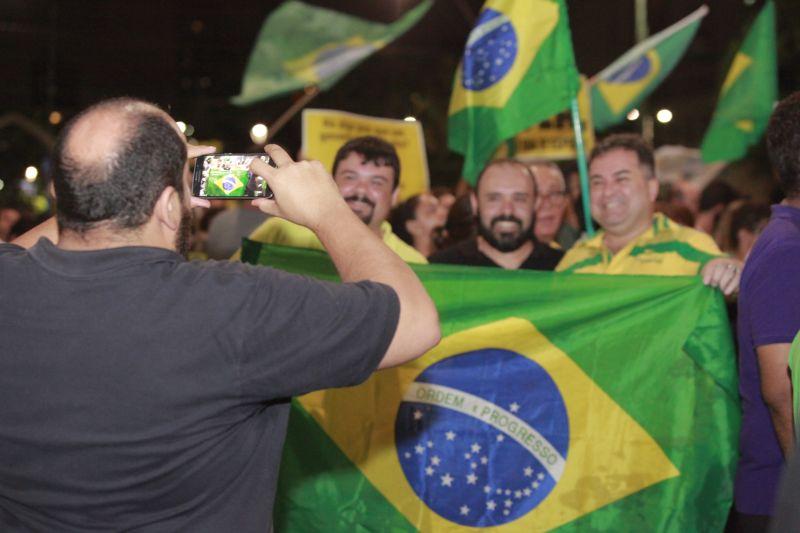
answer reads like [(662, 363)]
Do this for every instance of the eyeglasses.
[(556, 198)]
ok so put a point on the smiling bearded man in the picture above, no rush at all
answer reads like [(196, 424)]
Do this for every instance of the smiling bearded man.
[(505, 203)]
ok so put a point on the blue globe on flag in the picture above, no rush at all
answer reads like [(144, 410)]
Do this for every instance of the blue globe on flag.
[(491, 48), (633, 71), (475, 448)]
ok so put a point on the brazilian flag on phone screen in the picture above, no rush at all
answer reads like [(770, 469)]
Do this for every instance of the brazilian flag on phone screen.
[(554, 401)]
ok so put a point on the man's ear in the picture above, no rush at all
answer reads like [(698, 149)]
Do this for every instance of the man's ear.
[(473, 202), (168, 208), (395, 194)]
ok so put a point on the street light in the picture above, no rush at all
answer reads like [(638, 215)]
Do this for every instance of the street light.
[(664, 116), (633, 114), (410, 119), (258, 133), (31, 173)]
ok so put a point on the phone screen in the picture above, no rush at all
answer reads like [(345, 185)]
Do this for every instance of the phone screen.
[(228, 176)]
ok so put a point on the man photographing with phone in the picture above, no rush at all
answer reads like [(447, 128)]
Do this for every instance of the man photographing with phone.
[(135, 391)]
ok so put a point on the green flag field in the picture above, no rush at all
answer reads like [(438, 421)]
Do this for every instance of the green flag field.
[(554, 401)]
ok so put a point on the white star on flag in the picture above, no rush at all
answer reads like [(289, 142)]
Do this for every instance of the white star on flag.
[(475, 447), (451, 436), (447, 480), (473, 465), (464, 510), (435, 460), (408, 455), (528, 471), (429, 471), (527, 491), (535, 484), (508, 492), (417, 414), (514, 407), (506, 512), (508, 503), (491, 505), (419, 449), (467, 455), (540, 476), (501, 437), (430, 444), (484, 460), (487, 489), (518, 494), (471, 479)]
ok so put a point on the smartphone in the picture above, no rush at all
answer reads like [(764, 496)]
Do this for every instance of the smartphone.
[(228, 176)]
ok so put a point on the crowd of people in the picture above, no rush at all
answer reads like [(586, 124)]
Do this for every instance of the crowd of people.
[(109, 258)]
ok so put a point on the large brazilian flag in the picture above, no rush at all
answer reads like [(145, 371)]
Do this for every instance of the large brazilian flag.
[(518, 69), (554, 401)]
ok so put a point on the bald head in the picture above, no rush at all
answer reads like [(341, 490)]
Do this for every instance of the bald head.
[(111, 163)]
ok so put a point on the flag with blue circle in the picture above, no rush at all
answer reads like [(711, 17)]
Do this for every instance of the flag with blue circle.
[(626, 82), (301, 45), (554, 401), (518, 69)]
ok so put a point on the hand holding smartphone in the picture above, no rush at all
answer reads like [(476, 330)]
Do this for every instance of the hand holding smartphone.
[(228, 176)]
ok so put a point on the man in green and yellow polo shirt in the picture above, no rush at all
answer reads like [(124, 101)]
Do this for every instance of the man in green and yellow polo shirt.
[(367, 172), (634, 239)]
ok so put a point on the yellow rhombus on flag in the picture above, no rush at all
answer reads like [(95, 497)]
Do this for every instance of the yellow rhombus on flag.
[(607, 457)]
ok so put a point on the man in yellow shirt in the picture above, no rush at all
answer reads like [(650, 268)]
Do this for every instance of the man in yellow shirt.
[(634, 239), (367, 172)]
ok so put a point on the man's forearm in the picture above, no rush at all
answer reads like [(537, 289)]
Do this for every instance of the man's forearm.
[(359, 254), (776, 390), (784, 429)]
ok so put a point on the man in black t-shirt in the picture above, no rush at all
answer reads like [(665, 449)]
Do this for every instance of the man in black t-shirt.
[(141, 391), (505, 205)]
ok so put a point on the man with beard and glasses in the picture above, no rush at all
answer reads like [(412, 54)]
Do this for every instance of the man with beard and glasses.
[(505, 206), (367, 172), (141, 391)]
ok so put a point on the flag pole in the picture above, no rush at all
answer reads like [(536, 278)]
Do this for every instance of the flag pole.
[(582, 170), (308, 94)]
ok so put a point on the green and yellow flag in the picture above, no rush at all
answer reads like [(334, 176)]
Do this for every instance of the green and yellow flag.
[(301, 45), (518, 69), (748, 93), (554, 401), (626, 82)]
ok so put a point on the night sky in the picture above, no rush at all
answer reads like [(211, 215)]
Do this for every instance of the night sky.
[(189, 58)]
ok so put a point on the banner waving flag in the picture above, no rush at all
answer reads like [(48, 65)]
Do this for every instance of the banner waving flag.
[(580, 402), (518, 69), (748, 93), (627, 81), (301, 45)]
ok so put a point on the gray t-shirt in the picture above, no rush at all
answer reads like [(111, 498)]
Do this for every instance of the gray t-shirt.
[(138, 390)]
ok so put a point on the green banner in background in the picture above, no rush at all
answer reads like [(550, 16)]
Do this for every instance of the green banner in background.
[(301, 45), (577, 402)]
